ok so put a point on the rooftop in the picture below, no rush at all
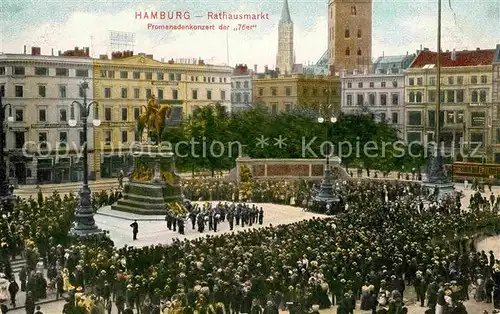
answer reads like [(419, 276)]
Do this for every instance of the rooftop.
[(392, 59), (285, 14), (497, 54), (463, 58)]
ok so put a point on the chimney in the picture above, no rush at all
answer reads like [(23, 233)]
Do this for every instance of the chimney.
[(24, 49), (383, 53), (266, 69), (35, 51), (52, 51), (407, 53), (255, 68), (59, 53), (420, 47), (477, 49), (453, 55), (149, 56)]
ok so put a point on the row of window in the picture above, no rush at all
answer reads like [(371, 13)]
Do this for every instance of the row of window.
[(383, 84), (451, 80), (448, 96), (19, 91), (236, 98), (348, 51), (477, 118), (305, 91), (382, 99), (45, 71), (161, 95), (237, 84)]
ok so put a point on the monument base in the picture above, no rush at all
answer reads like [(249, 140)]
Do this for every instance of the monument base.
[(444, 190)]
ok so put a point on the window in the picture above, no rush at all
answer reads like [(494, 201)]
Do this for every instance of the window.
[(359, 51), (41, 71), (171, 77), (107, 137), (103, 73), (2, 70), (238, 98), (288, 107), (372, 84), (383, 99), (420, 81), (411, 81), (222, 95), (432, 96), (382, 84), (178, 77), (19, 139), (238, 84), (19, 115), (442, 96), (245, 98), (353, 10), (346, 33), (359, 33), (107, 114), (63, 138), (160, 76), (484, 79), (137, 113), (450, 117), (460, 116), (477, 118), (451, 80), (124, 136), (395, 99), (414, 118), (136, 75), (498, 136), (160, 94), (460, 95), (245, 84), (482, 96), (124, 92), (273, 91), (136, 136), (359, 99), (107, 92), (18, 71), (394, 83), (124, 114), (315, 92), (137, 93), (62, 72), (111, 74), (371, 99), (19, 91), (123, 74), (62, 91), (175, 94), (348, 51), (274, 108), (431, 118), (476, 138), (450, 95), (432, 81), (148, 93), (349, 85), (82, 73), (460, 80), (349, 100), (473, 79), (81, 136), (42, 140), (148, 75), (288, 91), (411, 97), (209, 94), (41, 91), (394, 117), (418, 98), (382, 117), (194, 94), (261, 91), (360, 85), (81, 91), (63, 115), (474, 97), (42, 115)]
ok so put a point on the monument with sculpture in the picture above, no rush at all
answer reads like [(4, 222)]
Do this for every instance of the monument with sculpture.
[(153, 188)]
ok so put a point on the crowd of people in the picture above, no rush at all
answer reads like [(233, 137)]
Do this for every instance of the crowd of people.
[(386, 241)]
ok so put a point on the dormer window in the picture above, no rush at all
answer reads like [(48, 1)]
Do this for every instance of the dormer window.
[(353, 10)]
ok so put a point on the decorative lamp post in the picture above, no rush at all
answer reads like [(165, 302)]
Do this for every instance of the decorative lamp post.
[(84, 224), (5, 191), (326, 199)]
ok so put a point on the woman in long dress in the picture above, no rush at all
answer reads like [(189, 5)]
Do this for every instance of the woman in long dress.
[(4, 285), (66, 284)]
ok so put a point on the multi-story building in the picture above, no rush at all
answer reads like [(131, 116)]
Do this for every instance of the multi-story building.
[(379, 94), (40, 88), (466, 97), (241, 87), (124, 83), (284, 92), (349, 35), (495, 100)]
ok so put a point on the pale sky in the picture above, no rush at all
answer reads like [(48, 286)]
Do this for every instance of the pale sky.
[(398, 26)]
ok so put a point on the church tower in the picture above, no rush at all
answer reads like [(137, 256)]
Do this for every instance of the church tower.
[(284, 58), (349, 35)]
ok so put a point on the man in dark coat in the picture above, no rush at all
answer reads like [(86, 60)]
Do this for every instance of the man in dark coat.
[(261, 216), (135, 229), (29, 303), (13, 290)]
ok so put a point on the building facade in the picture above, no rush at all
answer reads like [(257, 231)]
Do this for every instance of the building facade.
[(124, 83), (285, 92), (466, 102), (392, 64), (241, 88), (42, 147), (496, 106), (349, 35), (379, 94), (285, 58)]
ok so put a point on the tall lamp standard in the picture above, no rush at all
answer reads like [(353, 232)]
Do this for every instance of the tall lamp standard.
[(5, 192), (84, 224), (326, 198)]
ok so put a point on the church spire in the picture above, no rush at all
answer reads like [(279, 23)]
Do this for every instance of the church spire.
[(285, 14)]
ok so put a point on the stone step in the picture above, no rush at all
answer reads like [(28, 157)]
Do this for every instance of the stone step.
[(149, 199), (140, 204), (136, 210)]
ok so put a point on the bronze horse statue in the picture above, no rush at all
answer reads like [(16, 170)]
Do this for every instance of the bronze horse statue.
[(154, 118)]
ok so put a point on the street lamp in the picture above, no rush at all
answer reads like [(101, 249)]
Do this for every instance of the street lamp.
[(5, 192), (326, 197), (84, 224)]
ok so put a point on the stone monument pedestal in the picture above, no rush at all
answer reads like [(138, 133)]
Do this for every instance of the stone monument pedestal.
[(152, 184), (444, 189)]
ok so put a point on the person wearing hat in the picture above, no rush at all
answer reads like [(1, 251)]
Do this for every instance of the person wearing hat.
[(135, 229), (13, 290)]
